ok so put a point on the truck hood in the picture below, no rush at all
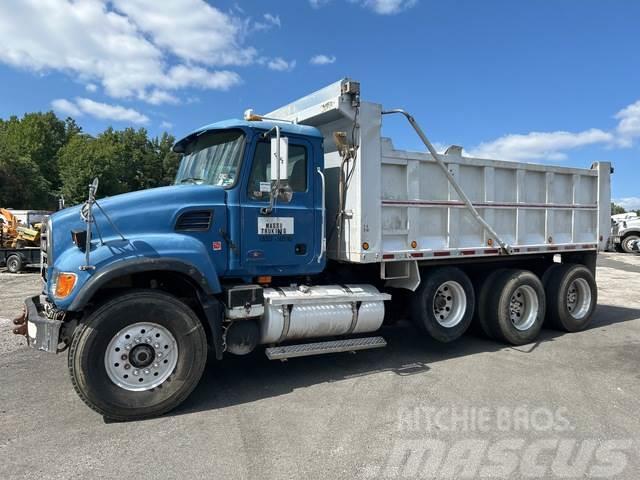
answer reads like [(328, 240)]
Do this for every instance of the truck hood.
[(150, 211)]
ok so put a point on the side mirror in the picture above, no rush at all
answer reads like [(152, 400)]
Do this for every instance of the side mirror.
[(279, 158)]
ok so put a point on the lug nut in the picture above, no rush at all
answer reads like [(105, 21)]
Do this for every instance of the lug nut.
[(159, 354), (136, 372), (127, 347), (148, 340), (156, 345), (127, 366), (147, 371), (156, 365), (138, 340), (123, 357)]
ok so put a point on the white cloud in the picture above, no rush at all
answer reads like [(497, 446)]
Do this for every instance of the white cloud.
[(389, 7), (104, 111), (158, 97), (269, 21), (628, 203), (166, 125), (65, 107), (191, 29), (131, 48), (539, 145), (281, 65), (318, 3), (382, 7), (322, 59), (629, 124)]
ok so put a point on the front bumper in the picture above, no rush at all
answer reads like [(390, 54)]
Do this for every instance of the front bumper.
[(42, 332)]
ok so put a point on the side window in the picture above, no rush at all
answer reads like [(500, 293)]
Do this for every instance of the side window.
[(260, 178)]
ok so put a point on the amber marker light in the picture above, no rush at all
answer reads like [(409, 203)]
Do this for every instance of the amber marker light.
[(65, 284), (365, 246)]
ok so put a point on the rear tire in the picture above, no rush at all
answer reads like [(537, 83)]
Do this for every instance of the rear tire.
[(443, 304), (513, 306), (176, 363), (14, 263), (572, 295), (627, 242)]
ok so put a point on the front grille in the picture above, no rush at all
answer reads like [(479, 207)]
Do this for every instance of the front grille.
[(194, 221), (44, 254)]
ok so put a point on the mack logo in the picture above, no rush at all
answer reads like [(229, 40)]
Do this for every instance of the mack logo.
[(275, 226)]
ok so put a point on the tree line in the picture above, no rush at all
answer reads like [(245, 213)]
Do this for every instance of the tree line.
[(43, 157)]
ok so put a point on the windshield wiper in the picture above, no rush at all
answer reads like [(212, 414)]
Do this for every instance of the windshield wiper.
[(192, 180)]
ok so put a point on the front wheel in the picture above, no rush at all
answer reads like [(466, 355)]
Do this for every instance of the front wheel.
[(627, 243), (137, 356)]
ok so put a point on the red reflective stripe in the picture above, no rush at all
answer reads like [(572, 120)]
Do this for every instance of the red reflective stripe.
[(417, 254), (387, 256), (441, 254), (491, 250), (468, 252)]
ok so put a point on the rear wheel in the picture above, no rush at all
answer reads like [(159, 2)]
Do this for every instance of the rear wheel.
[(443, 304), (627, 243), (513, 306), (572, 296), (138, 356), (14, 263)]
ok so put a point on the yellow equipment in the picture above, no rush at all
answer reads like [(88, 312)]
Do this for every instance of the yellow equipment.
[(14, 235)]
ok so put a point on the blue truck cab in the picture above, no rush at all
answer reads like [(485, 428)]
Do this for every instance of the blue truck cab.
[(211, 225)]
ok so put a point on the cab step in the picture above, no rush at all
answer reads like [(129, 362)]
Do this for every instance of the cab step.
[(319, 348)]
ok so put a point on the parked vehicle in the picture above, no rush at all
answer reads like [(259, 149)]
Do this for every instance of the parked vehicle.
[(301, 232), (16, 259), (624, 234)]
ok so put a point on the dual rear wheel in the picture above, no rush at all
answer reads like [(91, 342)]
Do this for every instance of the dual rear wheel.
[(511, 304)]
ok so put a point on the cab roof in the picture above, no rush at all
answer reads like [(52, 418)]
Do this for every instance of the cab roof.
[(285, 129)]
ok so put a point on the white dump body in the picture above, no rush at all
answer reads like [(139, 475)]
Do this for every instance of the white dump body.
[(401, 206)]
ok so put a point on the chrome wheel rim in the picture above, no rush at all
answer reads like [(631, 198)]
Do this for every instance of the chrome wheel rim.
[(578, 298), (449, 304), (523, 307), (141, 356)]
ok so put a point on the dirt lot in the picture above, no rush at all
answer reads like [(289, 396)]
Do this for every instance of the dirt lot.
[(564, 407)]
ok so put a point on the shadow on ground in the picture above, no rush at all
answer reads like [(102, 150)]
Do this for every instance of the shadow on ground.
[(240, 380)]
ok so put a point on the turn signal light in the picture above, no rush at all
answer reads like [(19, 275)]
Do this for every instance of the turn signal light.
[(264, 279), (65, 283)]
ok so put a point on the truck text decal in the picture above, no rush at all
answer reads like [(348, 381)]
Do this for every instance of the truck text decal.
[(275, 225)]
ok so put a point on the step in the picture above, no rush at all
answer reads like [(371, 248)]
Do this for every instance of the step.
[(319, 348)]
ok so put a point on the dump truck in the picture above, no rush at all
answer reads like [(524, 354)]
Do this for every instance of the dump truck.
[(301, 232)]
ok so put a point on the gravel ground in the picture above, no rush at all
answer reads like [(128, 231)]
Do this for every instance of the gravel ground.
[(564, 407), (14, 288)]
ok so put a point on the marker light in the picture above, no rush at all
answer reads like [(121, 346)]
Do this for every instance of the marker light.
[(64, 284)]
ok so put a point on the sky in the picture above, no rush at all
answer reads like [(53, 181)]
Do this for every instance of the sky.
[(545, 81)]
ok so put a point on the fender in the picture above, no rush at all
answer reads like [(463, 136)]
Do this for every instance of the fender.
[(137, 265)]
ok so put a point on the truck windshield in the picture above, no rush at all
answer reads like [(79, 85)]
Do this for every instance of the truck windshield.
[(212, 158)]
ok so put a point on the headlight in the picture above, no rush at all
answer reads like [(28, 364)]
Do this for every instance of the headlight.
[(63, 284)]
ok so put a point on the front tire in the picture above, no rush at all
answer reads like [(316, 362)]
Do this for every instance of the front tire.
[(161, 351), (627, 243), (443, 304)]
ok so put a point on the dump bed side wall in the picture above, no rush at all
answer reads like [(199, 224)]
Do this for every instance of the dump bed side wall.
[(528, 205)]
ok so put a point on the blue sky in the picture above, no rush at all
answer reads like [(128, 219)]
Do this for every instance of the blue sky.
[(552, 81)]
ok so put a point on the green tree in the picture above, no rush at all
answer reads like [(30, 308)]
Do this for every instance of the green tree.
[(86, 157), (616, 209), (21, 183)]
